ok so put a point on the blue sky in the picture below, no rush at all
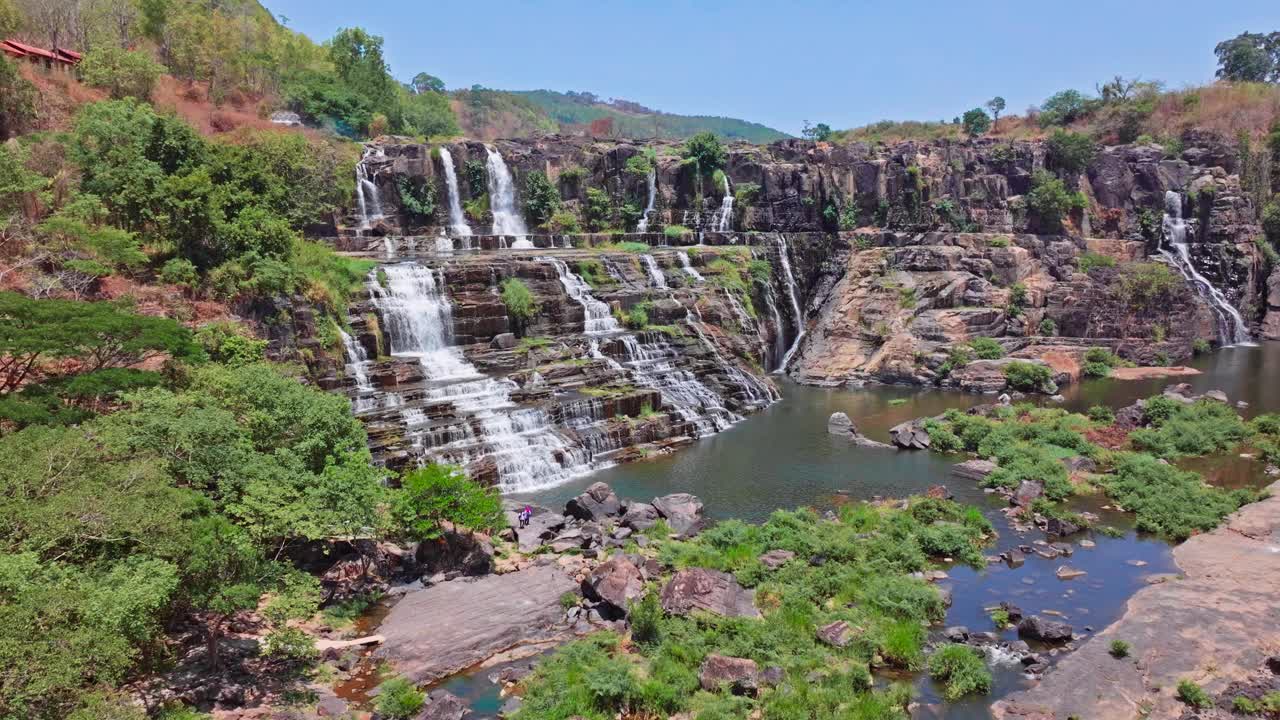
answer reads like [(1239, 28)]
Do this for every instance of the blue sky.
[(843, 63)]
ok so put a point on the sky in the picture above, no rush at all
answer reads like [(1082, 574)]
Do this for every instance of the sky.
[(843, 63)]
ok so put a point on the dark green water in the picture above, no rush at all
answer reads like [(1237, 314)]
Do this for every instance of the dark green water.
[(784, 458)]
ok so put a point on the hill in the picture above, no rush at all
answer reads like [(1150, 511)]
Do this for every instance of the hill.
[(630, 119)]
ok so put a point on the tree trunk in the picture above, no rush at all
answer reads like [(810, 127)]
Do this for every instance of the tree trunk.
[(212, 635)]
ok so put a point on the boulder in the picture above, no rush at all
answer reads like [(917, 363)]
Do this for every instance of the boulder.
[(1049, 631), (840, 424), (975, 470), (682, 511), (709, 591), (503, 341), (640, 516), (1066, 572), (597, 503), (1059, 527), (837, 634), (443, 705), (1028, 492), (615, 583), (956, 634), (775, 559), (910, 435), (456, 550), (331, 706), (740, 675)]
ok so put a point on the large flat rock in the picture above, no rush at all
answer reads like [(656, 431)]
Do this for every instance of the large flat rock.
[(440, 630), (1216, 624)]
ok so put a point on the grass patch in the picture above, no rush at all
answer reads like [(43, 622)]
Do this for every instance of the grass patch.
[(960, 670)]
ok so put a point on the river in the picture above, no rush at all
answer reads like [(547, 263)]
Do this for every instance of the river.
[(783, 457)]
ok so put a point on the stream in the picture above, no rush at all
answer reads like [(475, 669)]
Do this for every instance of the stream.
[(783, 457)]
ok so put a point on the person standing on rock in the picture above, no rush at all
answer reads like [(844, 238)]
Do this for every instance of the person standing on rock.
[(524, 516)]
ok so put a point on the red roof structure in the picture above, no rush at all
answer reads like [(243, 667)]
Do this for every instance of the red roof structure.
[(31, 50), (70, 56), (57, 57)]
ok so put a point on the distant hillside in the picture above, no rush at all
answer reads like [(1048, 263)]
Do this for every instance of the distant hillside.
[(492, 113)]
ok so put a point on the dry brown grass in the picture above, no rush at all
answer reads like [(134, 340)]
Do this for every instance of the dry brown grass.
[(1226, 108)]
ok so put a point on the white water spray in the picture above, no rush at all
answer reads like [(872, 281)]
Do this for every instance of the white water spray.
[(1231, 327), (687, 266), (655, 273), (724, 222), (502, 198), (643, 225), (598, 319), (457, 220), (367, 194), (797, 316)]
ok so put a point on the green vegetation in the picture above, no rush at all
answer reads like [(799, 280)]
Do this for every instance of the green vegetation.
[(705, 152), (1199, 428), (541, 198), (122, 73), (1029, 377), (1098, 362), (1119, 649), (675, 232), (398, 699), (520, 303), (1050, 201), (627, 119), (1146, 285), (986, 349), (976, 122), (869, 552), (1088, 261), (1000, 618), (1068, 151), (593, 272), (1101, 414), (1193, 695), (961, 670), (637, 318), (437, 494)]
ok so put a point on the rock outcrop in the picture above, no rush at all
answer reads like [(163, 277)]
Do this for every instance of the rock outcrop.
[(708, 591)]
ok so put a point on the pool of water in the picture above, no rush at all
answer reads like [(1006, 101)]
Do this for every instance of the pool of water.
[(783, 457)]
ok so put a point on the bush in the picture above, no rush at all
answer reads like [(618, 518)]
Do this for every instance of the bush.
[(520, 303), (541, 198), (976, 122), (1271, 222), (399, 699), (435, 494), (1102, 414), (1099, 361), (1201, 428), (961, 670), (1119, 649), (1029, 377), (638, 316), (1193, 695), (1069, 151), (1088, 261), (1168, 501), (646, 617), (122, 73), (1200, 346), (705, 150), (1048, 327), (675, 232), (562, 222), (180, 271), (1051, 201), (986, 349), (1146, 285), (1064, 108)]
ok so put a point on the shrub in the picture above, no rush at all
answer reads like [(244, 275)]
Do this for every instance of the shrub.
[(646, 617), (399, 699), (1000, 241), (705, 150), (1168, 501), (122, 73), (1088, 261), (1201, 428), (180, 271), (1000, 618), (986, 348), (562, 221), (1051, 201), (1200, 346), (1064, 108), (541, 198), (1029, 377), (1244, 705), (961, 670), (1102, 414), (1099, 361), (1119, 649), (1193, 695), (1048, 327), (638, 316), (976, 122), (1069, 151), (520, 303), (675, 232), (1271, 222), (1146, 285)]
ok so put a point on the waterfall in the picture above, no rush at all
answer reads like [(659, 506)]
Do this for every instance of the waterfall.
[(653, 365), (687, 266), (598, 319), (502, 198), (759, 393), (655, 273), (367, 197), (785, 259), (724, 223), (521, 443), (358, 368), (643, 225), (457, 221), (1230, 324)]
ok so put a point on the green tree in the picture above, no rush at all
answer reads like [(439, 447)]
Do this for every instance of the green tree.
[(122, 73), (10, 18), (17, 100), (357, 58), (1063, 108), (976, 122), (996, 105), (520, 303), (434, 495), (1050, 201), (706, 152), (541, 198), (1249, 57), (423, 83), (1271, 222), (222, 573), (820, 132), (1069, 151), (599, 209)]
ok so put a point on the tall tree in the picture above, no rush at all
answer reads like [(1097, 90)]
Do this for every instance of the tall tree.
[(996, 106), (1249, 57)]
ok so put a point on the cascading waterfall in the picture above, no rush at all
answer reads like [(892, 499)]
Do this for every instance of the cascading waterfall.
[(598, 318), (759, 393), (1231, 327), (457, 221), (523, 445), (643, 225), (358, 368), (502, 200), (367, 197), (655, 273), (653, 365), (784, 257), (724, 222), (687, 266)]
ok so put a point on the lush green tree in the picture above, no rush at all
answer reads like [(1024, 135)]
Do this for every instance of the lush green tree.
[(706, 152), (996, 105), (598, 211), (357, 58), (1050, 201), (541, 198), (434, 495), (819, 132), (1271, 222), (97, 335), (17, 100), (520, 303), (10, 18), (976, 122), (297, 178), (1064, 107), (222, 573), (423, 83), (324, 99), (1249, 57), (1069, 151), (123, 73), (428, 114)]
